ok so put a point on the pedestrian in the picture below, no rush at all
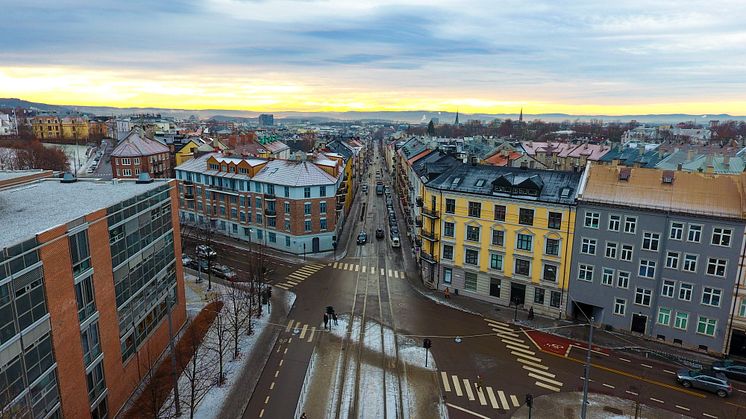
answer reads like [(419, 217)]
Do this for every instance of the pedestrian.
[(447, 293), (479, 382), (531, 313), (303, 416), (334, 318), (326, 321)]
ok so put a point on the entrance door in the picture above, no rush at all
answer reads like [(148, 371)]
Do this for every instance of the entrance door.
[(517, 293), (315, 244), (638, 323), (495, 287)]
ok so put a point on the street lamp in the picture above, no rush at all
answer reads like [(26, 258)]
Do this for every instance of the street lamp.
[(584, 408), (304, 251)]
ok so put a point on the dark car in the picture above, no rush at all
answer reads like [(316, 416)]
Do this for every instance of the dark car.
[(205, 251), (222, 271), (379, 233), (362, 238), (713, 382), (731, 369), (394, 230)]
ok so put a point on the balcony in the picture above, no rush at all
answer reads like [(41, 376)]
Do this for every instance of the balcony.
[(270, 197), (342, 190), (188, 182), (340, 205), (341, 198), (429, 235), (189, 196), (418, 221), (428, 257), (430, 213), (270, 213), (419, 202)]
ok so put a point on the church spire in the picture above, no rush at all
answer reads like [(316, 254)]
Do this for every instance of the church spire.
[(520, 117), (456, 123)]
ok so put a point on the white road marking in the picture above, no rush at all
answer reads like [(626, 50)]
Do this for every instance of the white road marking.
[(608, 385), (538, 371), (313, 331), (532, 363), (261, 413), (282, 286), (709, 415), (548, 380), (390, 273), (508, 339), (647, 366), (346, 266), (503, 399), (683, 408), (510, 344), (632, 393), (624, 359), (401, 274), (357, 268), (335, 265), (547, 386), (364, 267), (480, 395), (466, 411), (525, 351), (467, 387), (298, 277), (294, 283), (525, 356), (669, 371), (289, 326), (372, 269), (383, 272), (656, 400), (303, 331), (503, 333), (514, 399), (272, 386), (457, 386), (493, 400), (446, 384), (396, 274)]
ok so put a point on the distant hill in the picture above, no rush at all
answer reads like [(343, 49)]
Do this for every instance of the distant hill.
[(414, 117)]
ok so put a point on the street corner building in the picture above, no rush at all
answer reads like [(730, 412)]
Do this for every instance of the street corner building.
[(89, 274), (658, 253), (296, 206), (500, 234)]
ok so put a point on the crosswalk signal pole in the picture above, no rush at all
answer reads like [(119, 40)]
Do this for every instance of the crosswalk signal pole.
[(427, 343)]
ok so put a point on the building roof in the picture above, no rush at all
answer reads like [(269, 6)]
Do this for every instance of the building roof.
[(294, 173), (498, 159), (637, 156), (689, 192), (276, 147), (412, 148), (434, 164), (136, 144), (590, 151), (700, 162), (38, 206), (339, 148), (550, 185)]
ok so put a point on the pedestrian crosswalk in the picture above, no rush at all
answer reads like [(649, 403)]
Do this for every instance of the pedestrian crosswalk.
[(369, 269), (523, 353), (486, 395), (298, 276), (303, 331)]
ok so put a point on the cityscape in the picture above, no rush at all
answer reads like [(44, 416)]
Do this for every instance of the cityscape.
[(387, 209)]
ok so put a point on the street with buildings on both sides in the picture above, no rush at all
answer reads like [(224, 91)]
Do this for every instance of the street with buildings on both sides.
[(486, 365)]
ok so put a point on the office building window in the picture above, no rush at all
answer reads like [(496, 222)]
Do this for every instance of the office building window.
[(307, 225), (272, 236), (447, 252), (81, 257), (85, 298), (647, 268), (322, 224), (448, 229), (620, 306), (522, 267), (695, 233), (706, 326), (500, 211), (322, 207), (643, 296), (664, 316), (607, 277), (307, 208), (588, 246), (668, 289), (622, 279), (585, 272), (721, 236), (526, 216), (287, 192), (626, 253), (287, 208), (555, 220), (681, 321), (685, 291), (711, 296), (550, 273), (611, 250), (287, 241), (322, 191), (690, 263), (672, 260), (716, 267), (539, 296), (677, 231), (496, 261), (650, 241), (630, 225), (472, 233), (306, 192)]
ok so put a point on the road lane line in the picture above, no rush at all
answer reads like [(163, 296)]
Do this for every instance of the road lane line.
[(290, 325), (290, 339), (525, 356), (624, 359), (532, 363), (313, 331), (514, 399), (466, 411), (525, 351), (583, 378), (272, 386), (284, 352), (364, 268), (493, 400), (647, 366), (683, 408), (277, 373), (538, 371), (548, 380), (282, 361), (669, 371), (266, 400), (457, 386), (303, 331), (482, 399), (446, 384), (608, 385), (503, 399), (261, 413), (547, 386), (656, 400), (467, 387), (709, 415), (632, 393)]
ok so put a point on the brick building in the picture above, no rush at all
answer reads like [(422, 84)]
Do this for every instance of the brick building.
[(88, 274), (137, 154)]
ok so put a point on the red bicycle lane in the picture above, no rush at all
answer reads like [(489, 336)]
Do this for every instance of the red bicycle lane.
[(559, 345)]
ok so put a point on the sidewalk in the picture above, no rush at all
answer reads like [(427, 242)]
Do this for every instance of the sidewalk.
[(567, 405)]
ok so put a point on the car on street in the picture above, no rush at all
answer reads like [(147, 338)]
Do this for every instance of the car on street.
[(365, 189), (222, 271), (205, 251), (395, 242), (362, 238), (186, 261), (731, 369), (379, 233), (714, 382), (394, 230)]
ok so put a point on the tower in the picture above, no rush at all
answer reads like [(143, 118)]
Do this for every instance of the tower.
[(520, 117), (456, 123)]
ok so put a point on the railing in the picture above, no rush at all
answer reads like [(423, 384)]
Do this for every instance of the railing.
[(270, 212), (340, 205), (269, 197), (427, 257), (430, 212), (419, 202), (429, 235)]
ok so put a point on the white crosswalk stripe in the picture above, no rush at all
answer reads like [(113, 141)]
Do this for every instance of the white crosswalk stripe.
[(538, 371), (547, 386), (401, 274), (545, 379), (532, 358), (480, 395), (364, 267), (467, 387), (532, 363), (446, 383), (502, 333), (383, 272), (517, 349), (396, 274), (390, 273), (357, 268), (493, 400), (457, 386), (514, 399), (503, 399)]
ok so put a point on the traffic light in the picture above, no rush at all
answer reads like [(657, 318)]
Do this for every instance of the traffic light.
[(427, 343), (269, 292), (529, 400)]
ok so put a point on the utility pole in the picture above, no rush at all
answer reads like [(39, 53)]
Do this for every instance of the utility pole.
[(174, 375), (584, 408)]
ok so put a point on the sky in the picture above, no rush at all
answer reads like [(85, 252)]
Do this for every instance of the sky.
[(488, 56)]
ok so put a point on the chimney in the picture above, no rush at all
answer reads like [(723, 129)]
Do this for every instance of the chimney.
[(726, 160), (679, 167), (709, 168)]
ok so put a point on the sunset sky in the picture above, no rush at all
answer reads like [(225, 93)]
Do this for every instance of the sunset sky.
[(578, 57)]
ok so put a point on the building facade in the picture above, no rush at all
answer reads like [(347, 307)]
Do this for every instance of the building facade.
[(137, 154), (500, 234), (657, 253), (83, 304), (54, 128)]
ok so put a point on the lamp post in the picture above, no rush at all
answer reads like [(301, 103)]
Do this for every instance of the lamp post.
[(584, 408), (304, 251)]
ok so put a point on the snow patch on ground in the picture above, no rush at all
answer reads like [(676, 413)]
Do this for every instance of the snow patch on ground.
[(442, 302)]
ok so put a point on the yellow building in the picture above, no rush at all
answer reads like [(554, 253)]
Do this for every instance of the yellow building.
[(186, 152), (500, 234), (46, 127)]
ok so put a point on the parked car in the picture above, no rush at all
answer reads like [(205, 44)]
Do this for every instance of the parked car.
[(186, 261), (205, 251), (379, 233), (365, 189), (395, 242), (362, 238), (222, 271), (394, 230), (731, 369), (714, 382)]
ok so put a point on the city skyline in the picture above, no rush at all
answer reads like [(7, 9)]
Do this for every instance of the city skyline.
[(581, 58)]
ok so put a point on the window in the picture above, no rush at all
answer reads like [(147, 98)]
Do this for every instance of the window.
[(672, 260), (721, 236), (716, 267), (470, 281), (555, 220), (448, 229), (611, 249), (471, 257), (447, 252), (95, 381), (647, 268), (690, 263), (81, 257), (498, 238), (664, 316), (622, 280), (271, 189), (475, 209), (450, 206), (447, 275), (307, 208), (588, 246), (85, 298), (287, 241), (650, 241), (322, 207), (524, 241), (307, 225), (685, 291), (695, 233), (496, 261), (630, 225), (742, 308), (523, 267), (323, 224), (472, 233), (626, 253), (681, 321), (500, 212), (526, 216), (555, 298), (272, 236), (585, 272), (591, 219), (322, 190), (706, 326), (306, 192), (258, 202), (287, 192), (539, 296), (643, 296), (620, 306), (552, 247), (677, 230), (607, 277), (550, 273), (89, 338), (614, 221), (668, 289), (711, 296)]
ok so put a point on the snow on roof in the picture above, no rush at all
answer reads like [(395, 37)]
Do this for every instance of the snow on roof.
[(38, 206), (293, 173), (136, 144)]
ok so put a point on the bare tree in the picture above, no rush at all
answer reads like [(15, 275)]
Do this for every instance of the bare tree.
[(154, 400), (238, 314), (217, 338), (258, 266), (198, 373), (205, 234)]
